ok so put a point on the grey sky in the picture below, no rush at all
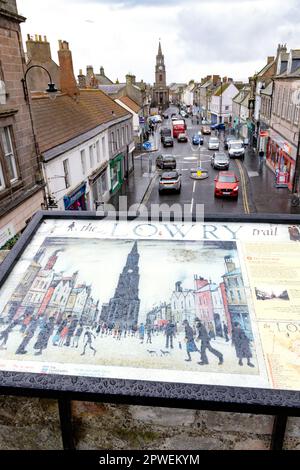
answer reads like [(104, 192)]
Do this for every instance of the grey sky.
[(199, 37)]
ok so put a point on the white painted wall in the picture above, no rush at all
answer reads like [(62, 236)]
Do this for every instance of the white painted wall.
[(135, 117), (227, 97), (54, 170)]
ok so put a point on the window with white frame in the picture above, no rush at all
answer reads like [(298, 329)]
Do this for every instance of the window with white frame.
[(91, 153), (83, 162), (113, 143), (8, 153), (67, 172), (98, 151), (118, 138), (103, 148)]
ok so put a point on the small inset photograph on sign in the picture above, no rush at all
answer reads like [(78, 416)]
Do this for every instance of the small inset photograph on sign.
[(172, 305), (271, 293)]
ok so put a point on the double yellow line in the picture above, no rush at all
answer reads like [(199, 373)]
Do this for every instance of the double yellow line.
[(244, 187)]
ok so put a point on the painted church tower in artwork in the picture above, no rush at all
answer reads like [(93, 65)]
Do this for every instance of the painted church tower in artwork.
[(123, 308)]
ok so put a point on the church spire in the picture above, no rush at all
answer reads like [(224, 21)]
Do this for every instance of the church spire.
[(159, 48)]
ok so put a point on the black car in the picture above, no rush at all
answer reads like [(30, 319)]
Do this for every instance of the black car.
[(168, 141), (165, 132), (166, 162)]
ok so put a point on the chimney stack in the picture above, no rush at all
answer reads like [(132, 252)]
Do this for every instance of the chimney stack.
[(224, 79), (38, 50), (270, 59), (67, 79), (130, 79), (215, 79), (81, 79)]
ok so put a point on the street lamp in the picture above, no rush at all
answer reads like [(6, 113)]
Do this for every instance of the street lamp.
[(51, 90)]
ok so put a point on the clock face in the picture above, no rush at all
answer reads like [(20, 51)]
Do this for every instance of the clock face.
[(160, 67), (130, 271)]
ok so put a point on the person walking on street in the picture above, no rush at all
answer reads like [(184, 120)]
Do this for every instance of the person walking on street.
[(225, 330), (205, 344), (170, 333), (189, 339), (241, 343), (142, 332), (88, 338)]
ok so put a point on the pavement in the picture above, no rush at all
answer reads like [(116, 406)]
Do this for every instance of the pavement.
[(259, 192)]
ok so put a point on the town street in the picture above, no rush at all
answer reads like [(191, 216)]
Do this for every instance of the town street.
[(257, 191)]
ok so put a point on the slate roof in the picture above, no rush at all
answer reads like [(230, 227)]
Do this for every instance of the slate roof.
[(112, 89), (220, 90), (130, 103), (65, 118)]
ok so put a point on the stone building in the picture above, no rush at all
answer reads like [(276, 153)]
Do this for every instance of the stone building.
[(160, 92), (21, 181), (91, 79)]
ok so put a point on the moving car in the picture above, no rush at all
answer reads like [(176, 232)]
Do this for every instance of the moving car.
[(228, 139), (182, 137), (220, 126), (226, 184), (236, 149), (213, 143), (184, 114), (166, 162), (165, 116), (168, 141), (170, 181), (220, 161), (165, 132), (178, 127), (197, 139), (205, 130), (175, 117)]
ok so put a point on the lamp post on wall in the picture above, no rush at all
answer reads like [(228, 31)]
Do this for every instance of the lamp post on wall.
[(52, 92)]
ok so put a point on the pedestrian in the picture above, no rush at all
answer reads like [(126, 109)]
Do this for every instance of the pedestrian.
[(43, 336), (5, 334), (71, 330), (71, 226), (205, 344), (88, 338), (261, 154), (189, 340), (225, 330), (77, 335), (142, 332), (170, 334), (29, 333), (241, 343), (149, 332)]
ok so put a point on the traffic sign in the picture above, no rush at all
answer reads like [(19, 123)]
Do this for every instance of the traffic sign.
[(147, 145), (141, 120)]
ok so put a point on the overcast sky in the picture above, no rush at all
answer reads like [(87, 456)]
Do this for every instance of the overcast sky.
[(199, 37)]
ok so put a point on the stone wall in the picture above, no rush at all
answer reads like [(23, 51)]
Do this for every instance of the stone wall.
[(33, 424)]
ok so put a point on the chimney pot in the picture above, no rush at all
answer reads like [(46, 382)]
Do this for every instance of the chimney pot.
[(40, 38), (36, 38), (45, 38), (28, 37)]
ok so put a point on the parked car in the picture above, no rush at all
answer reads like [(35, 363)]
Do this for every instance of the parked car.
[(236, 149), (168, 141), (166, 162), (213, 143), (165, 132), (197, 139), (219, 127), (205, 130), (182, 137), (220, 161), (170, 181), (226, 184), (228, 139)]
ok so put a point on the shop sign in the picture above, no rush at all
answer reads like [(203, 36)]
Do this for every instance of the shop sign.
[(69, 200)]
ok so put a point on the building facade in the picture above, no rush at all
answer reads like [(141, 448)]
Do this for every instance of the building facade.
[(183, 304), (21, 181), (221, 102)]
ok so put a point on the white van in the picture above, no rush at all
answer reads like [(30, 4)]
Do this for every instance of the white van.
[(236, 149)]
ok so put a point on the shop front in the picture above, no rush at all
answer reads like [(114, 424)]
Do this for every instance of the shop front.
[(76, 200), (281, 158), (99, 184), (116, 166)]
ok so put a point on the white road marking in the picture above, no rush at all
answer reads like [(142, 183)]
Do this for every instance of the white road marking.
[(194, 186), (192, 204)]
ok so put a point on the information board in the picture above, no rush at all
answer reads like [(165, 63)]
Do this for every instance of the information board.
[(204, 303)]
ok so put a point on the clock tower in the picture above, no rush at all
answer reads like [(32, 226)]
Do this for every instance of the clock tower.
[(160, 97)]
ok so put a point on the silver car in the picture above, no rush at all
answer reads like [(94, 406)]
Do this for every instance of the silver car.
[(170, 180), (213, 143), (220, 161), (236, 149)]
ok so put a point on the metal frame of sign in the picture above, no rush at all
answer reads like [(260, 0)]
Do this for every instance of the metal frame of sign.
[(280, 403)]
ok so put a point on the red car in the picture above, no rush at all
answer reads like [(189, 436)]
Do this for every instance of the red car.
[(226, 184)]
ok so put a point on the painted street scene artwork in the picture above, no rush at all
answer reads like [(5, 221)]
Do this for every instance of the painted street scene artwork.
[(127, 303)]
